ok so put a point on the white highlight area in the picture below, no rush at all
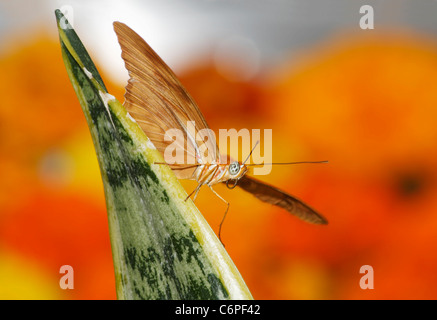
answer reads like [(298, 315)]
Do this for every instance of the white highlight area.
[(237, 58)]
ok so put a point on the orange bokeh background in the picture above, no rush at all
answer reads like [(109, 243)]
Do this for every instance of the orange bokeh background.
[(366, 104)]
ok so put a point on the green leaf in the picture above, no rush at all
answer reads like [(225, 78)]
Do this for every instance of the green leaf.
[(162, 246)]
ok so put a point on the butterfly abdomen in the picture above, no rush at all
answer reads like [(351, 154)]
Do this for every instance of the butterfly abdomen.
[(210, 174)]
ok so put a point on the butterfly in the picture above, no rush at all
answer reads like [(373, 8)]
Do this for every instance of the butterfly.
[(158, 102)]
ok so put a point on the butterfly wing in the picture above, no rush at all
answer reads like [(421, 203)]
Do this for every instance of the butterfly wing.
[(158, 102), (272, 195)]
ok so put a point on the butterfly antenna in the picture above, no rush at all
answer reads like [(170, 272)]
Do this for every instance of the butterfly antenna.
[(251, 152), (286, 163)]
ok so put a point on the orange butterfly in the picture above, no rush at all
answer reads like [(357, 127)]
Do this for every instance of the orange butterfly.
[(158, 102)]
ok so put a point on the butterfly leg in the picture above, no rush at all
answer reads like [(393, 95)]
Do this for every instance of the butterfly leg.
[(195, 191), (224, 216)]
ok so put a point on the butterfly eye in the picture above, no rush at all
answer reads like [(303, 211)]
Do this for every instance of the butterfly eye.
[(234, 168)]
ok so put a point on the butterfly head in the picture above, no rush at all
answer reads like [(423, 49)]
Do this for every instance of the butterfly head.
[(236, 170)]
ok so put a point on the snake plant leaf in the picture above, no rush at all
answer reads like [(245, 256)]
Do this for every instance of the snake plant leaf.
[(162, 246)]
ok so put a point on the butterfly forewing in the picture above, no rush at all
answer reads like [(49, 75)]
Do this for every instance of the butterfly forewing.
[(158, 102)]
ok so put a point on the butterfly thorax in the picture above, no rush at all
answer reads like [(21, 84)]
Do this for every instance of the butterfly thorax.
[(214, 173)]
